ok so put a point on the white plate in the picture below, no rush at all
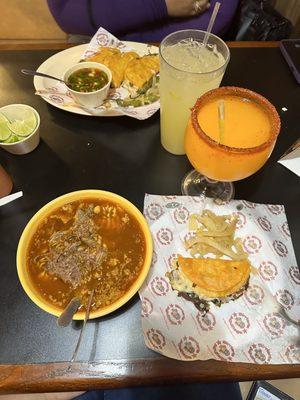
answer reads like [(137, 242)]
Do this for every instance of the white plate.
[(57, 64)]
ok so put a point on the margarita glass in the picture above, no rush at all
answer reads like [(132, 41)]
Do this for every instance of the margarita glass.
[(251, 127)]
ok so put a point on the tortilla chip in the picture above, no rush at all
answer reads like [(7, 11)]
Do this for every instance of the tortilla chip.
[(215, 278)]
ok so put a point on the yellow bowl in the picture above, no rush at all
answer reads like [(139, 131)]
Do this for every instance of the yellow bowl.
[(32, 225)]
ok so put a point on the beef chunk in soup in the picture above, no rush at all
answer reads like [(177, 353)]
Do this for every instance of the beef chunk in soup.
[(75, 252)]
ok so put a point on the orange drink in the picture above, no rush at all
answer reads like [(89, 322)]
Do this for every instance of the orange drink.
[(250, 128)]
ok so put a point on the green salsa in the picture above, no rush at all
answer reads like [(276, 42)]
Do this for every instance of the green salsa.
[(87, 80)]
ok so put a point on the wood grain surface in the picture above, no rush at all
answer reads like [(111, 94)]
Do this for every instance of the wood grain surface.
[(61, 46), (122, 373)]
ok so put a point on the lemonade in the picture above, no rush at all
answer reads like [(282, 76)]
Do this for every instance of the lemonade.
[(188, 69)]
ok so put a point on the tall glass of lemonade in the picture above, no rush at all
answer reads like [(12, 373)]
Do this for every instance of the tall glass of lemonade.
[(188, 69)]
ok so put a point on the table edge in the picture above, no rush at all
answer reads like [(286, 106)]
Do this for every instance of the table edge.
[(55, 377), (60, 46)]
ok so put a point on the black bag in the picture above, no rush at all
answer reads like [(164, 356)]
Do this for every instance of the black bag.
[(258, 20)]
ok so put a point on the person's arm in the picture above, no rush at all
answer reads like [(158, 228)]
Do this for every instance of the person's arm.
[(86, 16)]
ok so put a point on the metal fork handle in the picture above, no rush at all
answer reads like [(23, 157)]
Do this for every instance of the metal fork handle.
[(31, 72)]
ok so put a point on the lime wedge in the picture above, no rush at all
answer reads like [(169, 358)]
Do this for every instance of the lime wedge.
[(13, 139), (5, 132), (23, 127), (3, 118), (31, 122), (20, 138)]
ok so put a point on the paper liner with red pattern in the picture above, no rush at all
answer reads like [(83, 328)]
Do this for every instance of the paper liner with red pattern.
[(253, 328)]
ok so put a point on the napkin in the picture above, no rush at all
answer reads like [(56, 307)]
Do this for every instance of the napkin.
[(60, 95), (291, 158), (262, 326)]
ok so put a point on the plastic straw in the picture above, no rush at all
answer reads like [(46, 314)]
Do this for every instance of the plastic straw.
[(221, 113), (211, 22), (11, 197)]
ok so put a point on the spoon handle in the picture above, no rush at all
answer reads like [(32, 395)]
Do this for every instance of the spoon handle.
[(31, 72), (66, 316), (86, 317)]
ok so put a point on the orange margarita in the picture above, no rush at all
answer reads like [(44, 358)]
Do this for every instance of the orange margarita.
[(242, 144)]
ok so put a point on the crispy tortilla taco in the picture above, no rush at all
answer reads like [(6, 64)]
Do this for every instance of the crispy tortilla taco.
[(204, 280)]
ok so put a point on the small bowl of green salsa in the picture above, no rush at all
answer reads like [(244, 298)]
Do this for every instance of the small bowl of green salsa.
[(87, 80), (88, 83)]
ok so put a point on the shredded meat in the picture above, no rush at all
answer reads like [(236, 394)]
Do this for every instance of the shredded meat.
[(75, 252), (200, 304), (203, 305)]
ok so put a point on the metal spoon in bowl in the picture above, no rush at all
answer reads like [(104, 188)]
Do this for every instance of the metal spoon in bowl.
[(31, 72), (66, 316)]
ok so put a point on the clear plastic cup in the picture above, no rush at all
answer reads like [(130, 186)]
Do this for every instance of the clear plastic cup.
[(181, 83)]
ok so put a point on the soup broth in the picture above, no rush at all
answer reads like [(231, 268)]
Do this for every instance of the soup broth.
[(85, 245), (87, 80)]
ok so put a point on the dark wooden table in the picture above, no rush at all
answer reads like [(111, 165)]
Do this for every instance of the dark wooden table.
[(124, 156)]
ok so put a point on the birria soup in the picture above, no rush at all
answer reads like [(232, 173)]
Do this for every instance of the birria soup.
[(86, 245)]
